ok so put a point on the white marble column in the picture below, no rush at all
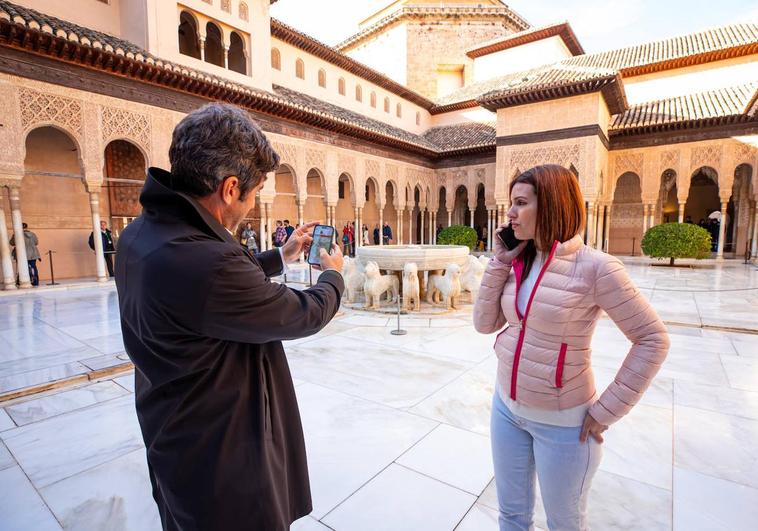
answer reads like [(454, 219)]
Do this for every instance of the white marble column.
[(300, 219), (651, 214), (94, 205), (644, 219), (226, 57), (754, 247), (202, 48), (410, 225), (399, 228), (9, 282), (18, 236), (422, 225), (607, 231), (722, 232), (356, 218), (600, 227), (262, 228), (590, 223), (381, 225), (681, 212), (491, 230), (449, 218), (471, 221)]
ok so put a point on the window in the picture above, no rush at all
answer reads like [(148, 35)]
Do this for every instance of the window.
[(276, 59), (386, 105), (214, 48), (226, 5), (358, 93), (373, 99), (322, 78), (341, 86), (189, 43), (237, 60), (399, 110), (243, 11), (418, 118), (300, 69)]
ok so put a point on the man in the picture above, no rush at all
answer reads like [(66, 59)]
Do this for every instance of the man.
[(289, 229), (376, 234), (387, 233), (203, 325), (108, 248), (32, 253)]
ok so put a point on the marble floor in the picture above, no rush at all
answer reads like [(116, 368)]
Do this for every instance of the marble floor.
[(396, 427)]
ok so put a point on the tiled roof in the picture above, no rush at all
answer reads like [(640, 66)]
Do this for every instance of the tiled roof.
[(634, 60), (714, 107), (462, 136), (561, 29), (420, 11), (313, 46)]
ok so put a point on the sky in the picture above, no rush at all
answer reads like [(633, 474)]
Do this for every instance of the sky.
[(599, 24)]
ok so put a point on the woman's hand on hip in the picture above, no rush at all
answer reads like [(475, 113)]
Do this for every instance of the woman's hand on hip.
[(592, 427), (502, 253)]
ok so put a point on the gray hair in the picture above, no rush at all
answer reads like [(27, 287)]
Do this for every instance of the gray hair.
[(214, 142)]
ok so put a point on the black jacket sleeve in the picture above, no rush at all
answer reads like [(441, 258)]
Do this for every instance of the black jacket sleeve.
[(244, 306), (271, 262), (91, 241)]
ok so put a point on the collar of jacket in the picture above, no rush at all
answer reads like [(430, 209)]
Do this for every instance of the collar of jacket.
[(159, 198), (569, 246)]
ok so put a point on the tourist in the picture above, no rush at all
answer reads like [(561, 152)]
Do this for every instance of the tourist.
[(347, 239), (32, 253), (289, 229), (547, 418), (247, 238), (376, 234), (387, 233), (108, 248), (364, 232), (280, 234), (203, 325)]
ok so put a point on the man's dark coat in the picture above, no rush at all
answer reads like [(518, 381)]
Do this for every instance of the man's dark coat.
[(203, 325)]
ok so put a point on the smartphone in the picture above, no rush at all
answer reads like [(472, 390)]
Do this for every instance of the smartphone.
[(508, 237), (322, 239)]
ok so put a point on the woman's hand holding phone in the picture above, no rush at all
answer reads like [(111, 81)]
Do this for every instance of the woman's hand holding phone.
[(502, 253)]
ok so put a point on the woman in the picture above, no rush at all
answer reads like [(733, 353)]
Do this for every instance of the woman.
[(547, 419), (247, 238), (365, 235)]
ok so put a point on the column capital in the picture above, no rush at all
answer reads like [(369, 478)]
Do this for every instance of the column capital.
[(92, 187)]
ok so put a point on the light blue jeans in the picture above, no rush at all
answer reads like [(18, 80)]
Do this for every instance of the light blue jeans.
[(522, 450)]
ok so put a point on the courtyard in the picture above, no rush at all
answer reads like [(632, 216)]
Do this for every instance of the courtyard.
[(396, 427)]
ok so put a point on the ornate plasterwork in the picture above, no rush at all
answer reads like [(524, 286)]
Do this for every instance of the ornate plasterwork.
[(372, 169), (287, 153), (120, 123), (629, 162), (669, 159), (315, 158), (706, 156), (744, 153), (39, 107), (564, 155), (346, 164)]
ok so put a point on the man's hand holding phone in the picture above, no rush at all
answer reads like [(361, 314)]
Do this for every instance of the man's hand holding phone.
[(331, 261)]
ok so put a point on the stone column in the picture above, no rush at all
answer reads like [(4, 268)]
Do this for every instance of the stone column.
[(262, 228), (300, 220), (681, 212), (602, 220), (471, 221), (722, 232), (449, 218), (644, 219), (381, 225), (651, 213), (94, 205), (754, 247), (202, 48), (18, 235), (399, 228), (491, 231), (607, 230), (271, 224), (226, 57), (590, 223), (422, 225), (356, 218), (410, 225), (9, 282)]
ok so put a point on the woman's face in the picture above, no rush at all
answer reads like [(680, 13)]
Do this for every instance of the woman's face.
[(523, 211)]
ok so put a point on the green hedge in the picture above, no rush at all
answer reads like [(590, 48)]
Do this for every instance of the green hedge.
[(677, 240), (458, 235)]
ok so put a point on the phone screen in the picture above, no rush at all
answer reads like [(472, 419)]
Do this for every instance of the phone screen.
[(322, 239)]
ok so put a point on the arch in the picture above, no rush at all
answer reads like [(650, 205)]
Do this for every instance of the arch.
[(189, 41), (442, 206), (371, 207), (125, 167), (214, 45), (373, 99), (461, 211), (244, 12), (315, 190), (299, 68), (703, 199), (286, 195), (480, 212), (341, 86), (390, 208), (276, 59), (358, 93), (667, 206), (418, 199), (344, 212), (322, 78), (743, 192), (625, 233), (237, 60), (399, 110), (386, 104)]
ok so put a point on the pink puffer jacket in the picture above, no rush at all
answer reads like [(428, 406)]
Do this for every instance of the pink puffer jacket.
[(544, 355)]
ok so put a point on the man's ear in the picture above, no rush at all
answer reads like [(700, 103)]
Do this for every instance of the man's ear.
[(229, 190)]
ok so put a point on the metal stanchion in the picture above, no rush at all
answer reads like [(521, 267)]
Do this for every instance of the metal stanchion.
[(52, 272), (634, 241), (398, 331)]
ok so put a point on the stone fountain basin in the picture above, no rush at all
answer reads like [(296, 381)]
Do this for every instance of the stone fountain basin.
[(426, 257)]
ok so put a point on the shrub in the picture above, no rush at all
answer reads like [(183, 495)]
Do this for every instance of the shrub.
[(677, 240), (458, 235)]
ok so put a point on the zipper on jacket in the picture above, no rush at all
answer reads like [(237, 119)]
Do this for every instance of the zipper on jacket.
[(522, 319), (561, 363)]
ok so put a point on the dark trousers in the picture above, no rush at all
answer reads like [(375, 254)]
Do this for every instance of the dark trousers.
[(33, 273), (109, 263)]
